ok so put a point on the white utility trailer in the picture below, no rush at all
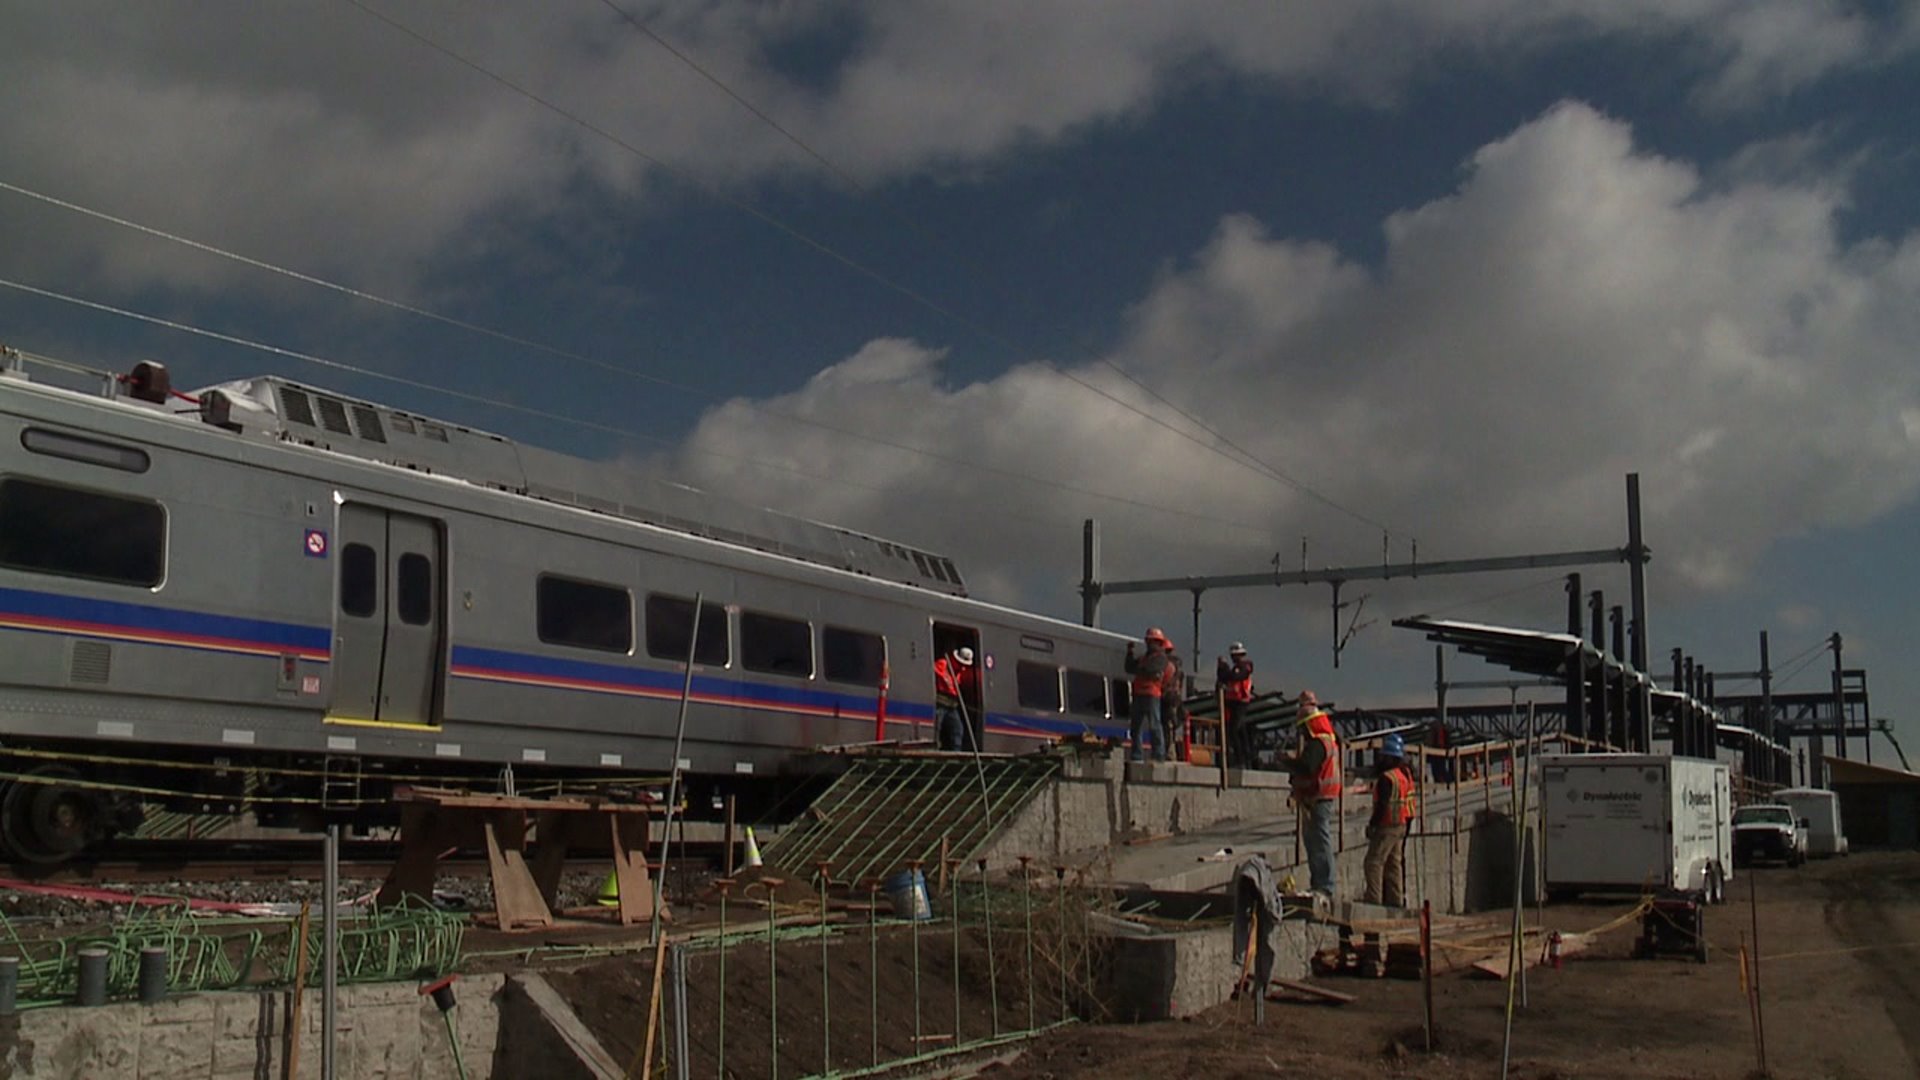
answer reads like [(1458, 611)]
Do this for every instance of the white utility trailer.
[(1819, 810), (1636, 822)]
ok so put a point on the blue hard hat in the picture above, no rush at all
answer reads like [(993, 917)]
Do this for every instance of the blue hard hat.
[(1393, 746)]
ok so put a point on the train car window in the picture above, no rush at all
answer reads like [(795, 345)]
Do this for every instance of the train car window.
[(776, 645), (359, 580), (93, 452), (1039, 685), (59, 530), (583, 614), (1086, 693), (413, 592), (852, 656), (670, 625)]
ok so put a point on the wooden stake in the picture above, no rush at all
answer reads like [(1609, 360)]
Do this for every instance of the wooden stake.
[(1426, 964), (644, 1059), (295, 1023)]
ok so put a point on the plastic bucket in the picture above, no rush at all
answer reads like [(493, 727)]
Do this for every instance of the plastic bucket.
[(908, 892)]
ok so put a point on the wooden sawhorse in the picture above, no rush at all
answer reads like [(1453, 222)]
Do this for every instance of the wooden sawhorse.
[(433, 821)]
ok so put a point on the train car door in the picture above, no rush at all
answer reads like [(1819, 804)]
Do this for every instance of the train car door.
[(948, 637), (390, 625)]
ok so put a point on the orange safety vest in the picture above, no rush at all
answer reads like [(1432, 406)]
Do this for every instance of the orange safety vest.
[(1238, 689), (1325, 785), (1401, 805), (1146, 685), (947, 681)]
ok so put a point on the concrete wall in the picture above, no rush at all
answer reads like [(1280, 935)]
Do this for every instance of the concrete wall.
[(1156, 976), (1101, 800), (385, 1032)]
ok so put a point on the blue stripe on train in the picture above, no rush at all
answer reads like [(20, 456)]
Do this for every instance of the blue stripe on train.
[(113, 617), (471, 661)]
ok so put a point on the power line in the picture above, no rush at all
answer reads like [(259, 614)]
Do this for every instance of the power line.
[(544, 414), (1245, 460)]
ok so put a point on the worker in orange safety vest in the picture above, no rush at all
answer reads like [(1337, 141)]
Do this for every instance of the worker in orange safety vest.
[(1233, 676), (954, 679), (1315, 766), (1394, 807)]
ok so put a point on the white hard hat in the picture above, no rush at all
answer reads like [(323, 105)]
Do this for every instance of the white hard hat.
[(964, 655), (1237, 649)]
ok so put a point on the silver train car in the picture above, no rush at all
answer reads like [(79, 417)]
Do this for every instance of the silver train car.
[(267, 594)]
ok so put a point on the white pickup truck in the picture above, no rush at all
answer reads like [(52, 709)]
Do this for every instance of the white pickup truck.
[(1770, 832)]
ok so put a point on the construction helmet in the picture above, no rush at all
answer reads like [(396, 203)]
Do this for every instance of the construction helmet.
[(1154, 633), (1393, 746), (1237, 650), (964, 655)]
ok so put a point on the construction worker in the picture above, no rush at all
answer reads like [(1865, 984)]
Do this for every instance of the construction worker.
[(1315, 766), (953, 677), (1173, 704), (1393, 809), (1149, 673), (1233, 675)]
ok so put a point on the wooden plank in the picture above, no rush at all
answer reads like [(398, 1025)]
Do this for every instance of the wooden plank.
[(1498, 966), (1312, 991)]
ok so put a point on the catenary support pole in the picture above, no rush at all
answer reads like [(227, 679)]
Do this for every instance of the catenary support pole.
[(673, 785)]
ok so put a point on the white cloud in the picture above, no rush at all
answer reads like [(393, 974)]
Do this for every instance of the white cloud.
[(326, 138), (1576, 310)]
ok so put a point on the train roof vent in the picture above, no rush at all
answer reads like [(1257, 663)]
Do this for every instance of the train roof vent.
[(368, 422), (333, 416), (296, 406)]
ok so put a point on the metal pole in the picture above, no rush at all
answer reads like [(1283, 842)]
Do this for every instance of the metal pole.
[(329, 949), (1767, 726), (682, 1063), (1576, 664), (1637, 586), (1839, 703), (673, 786), (1089, 580)]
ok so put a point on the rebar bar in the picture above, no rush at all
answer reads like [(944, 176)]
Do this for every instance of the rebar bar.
[(913, 867), (1060, 961), (993, 972), (720, 1066), (873, 968), (1026, 904), (773, 987), (826, 994), (953, 903)]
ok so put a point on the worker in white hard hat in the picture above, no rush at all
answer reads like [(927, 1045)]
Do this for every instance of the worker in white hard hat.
[(1233, 675), (1149, 672), (953, 676), (1315, 766)]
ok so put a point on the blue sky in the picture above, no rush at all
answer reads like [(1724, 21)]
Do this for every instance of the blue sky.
[(1452, 270)]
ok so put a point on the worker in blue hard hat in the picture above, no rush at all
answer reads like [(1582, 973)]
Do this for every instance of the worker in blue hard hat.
[(1394, 806)]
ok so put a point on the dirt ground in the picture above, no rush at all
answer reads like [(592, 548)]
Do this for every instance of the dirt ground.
[(1840, 980), (1840, 998)]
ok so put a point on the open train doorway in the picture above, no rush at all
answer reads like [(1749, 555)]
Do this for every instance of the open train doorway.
[(947, 638)]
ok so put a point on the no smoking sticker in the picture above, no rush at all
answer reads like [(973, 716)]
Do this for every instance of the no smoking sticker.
[(316, 543)]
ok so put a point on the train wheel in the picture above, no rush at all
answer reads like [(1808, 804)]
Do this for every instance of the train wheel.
[(46, 822)]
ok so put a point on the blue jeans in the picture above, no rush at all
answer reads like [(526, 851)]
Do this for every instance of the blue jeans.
[(952, 728), (1320, 822), (1146, 720)]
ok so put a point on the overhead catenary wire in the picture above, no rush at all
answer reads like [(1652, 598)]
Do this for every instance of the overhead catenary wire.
[(1250, 459), (1240, 456), (545, 414)]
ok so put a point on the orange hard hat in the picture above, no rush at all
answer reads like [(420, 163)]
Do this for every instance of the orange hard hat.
[(1154, 633)]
